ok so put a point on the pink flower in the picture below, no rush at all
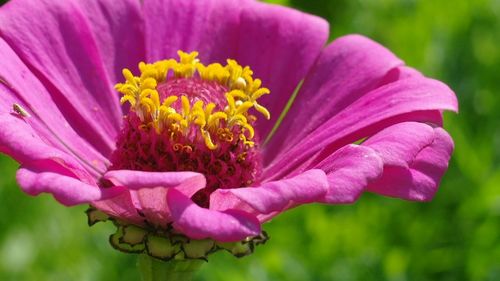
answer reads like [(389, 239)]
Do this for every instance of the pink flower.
[(61, 59)]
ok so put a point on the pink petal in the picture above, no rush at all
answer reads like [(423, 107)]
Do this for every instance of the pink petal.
[(280, 44), (415, 158), (209, 27), (201, 223), (120, 207), (400, 73), (191, 182), (118, 29), (276, 196), (378, 109), (223, 199), (347, 69), (19, 85), (35, 179), (47, 169), (72, 70), (149, 190), (151, 203), (21, 142), (349, 170)]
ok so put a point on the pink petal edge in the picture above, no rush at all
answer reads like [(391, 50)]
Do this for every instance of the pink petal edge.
[(349, 171), (275, 196), (415, 158), (136, 180), (67, 190), (200, 223), (148, 190)]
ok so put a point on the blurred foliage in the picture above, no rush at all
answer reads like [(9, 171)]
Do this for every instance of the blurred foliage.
[(454, 237)]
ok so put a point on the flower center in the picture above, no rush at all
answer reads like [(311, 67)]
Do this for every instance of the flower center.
[(186, 116)]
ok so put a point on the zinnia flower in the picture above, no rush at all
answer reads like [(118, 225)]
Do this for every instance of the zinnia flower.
[(192, 154)]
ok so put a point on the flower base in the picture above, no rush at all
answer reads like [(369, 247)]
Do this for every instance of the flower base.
[(168, 245), (152, 269)]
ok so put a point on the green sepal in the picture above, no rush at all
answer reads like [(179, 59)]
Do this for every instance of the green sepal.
[(180, 256), (133, 235), (168, 245), (161, 247), (238, 249), (116, 240), (178, 239), (198, 249), (94, 216), (245, 247), (260, 239)]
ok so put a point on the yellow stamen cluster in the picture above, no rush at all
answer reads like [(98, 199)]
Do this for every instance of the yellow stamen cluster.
[(242, 94)]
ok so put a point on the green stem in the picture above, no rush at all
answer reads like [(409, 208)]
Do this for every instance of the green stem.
[(152, 269)]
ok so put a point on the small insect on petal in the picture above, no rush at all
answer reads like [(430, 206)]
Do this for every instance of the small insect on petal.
[(20, 110), (2, 81)]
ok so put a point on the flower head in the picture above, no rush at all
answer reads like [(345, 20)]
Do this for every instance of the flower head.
[(185, 116), (159, 114)]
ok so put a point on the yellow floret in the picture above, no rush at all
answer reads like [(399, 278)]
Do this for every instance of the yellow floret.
[(243, 92)]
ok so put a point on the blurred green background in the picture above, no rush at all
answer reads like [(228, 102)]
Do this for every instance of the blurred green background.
[(454, 237)]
